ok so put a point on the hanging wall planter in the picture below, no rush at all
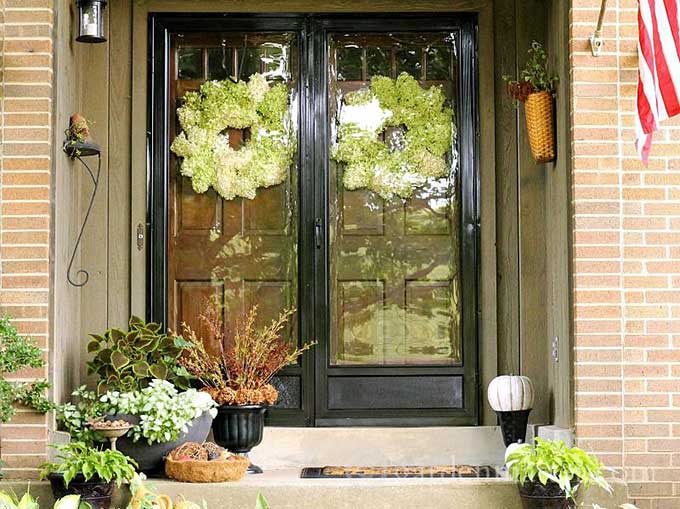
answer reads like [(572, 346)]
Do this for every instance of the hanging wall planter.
[(539, 115), (536, 89)]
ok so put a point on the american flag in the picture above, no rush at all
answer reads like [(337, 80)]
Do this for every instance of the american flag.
[(659, 76)]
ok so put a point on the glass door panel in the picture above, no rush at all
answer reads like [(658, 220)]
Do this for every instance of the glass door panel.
[(394, 262), (241, 251)]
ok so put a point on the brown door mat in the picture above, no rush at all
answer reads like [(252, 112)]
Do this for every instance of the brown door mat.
[(452, 471)]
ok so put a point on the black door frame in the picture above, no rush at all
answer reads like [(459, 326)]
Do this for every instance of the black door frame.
[(314, 296)]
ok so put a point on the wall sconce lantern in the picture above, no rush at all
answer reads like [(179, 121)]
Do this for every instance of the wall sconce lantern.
[(91, 21)]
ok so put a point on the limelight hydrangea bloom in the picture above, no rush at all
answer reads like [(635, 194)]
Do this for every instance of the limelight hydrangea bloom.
[(406, 160), (203, 145), (164, 412)]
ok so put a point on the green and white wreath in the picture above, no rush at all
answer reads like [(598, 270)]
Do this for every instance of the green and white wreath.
[(414, 153), (203, 144)]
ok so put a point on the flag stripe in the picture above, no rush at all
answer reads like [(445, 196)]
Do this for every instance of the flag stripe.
[(658, 96)]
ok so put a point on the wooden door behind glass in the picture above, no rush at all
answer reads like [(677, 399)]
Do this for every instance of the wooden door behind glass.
[(396, 346), (242, 252)]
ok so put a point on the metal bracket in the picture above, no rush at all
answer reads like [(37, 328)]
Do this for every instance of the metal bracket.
[(596, 40), (141, 231), (556, 349)]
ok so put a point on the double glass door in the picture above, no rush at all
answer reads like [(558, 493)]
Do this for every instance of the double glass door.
[(385, 280)]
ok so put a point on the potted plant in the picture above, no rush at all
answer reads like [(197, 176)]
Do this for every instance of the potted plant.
[(88, 472), (535, 87), (142, 382), (162, 418), (239, 379), (549, 473)]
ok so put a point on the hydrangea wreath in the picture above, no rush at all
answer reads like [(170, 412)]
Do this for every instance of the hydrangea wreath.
[(411, 157), (203, 143)]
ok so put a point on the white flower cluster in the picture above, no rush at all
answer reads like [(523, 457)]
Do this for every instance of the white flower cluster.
[(164, 412), (204, 145)]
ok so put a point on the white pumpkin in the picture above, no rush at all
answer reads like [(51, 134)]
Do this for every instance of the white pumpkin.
[(510, 393)]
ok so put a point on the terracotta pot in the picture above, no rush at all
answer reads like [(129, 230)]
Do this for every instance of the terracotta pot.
[(239, 429)]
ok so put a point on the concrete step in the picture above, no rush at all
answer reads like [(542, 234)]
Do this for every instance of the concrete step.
[(285, 490)]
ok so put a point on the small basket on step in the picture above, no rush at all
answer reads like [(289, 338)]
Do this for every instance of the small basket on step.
[(540, 126), (200, 463)]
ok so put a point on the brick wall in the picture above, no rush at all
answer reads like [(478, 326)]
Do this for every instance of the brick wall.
[(626, 266), (25, 162)]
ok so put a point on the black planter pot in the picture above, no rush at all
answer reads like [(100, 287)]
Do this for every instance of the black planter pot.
[(96, 492), (151, 458), (544, 496), (514, 426), (239, 429)]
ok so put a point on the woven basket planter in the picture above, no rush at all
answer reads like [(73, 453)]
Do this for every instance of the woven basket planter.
[(539, 114), (207, 471)]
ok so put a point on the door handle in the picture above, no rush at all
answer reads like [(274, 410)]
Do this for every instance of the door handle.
[(318, 232)]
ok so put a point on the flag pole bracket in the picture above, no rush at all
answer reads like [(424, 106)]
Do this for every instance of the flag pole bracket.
[(596, 39)]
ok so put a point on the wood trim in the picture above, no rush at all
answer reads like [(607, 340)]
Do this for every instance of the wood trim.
[(310, 6)]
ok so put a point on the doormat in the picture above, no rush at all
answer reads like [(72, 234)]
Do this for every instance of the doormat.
[(445, 471)]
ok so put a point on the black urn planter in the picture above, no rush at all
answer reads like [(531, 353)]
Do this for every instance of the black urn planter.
[(239, 429), (514, 426), (151, 458), (544, 496), (95, 491)]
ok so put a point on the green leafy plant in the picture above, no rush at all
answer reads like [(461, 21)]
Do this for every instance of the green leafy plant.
[(163, 412), (74, 415), (552, 461), (78, 458), (18, 352), (129, 361), (261, 502), (535, 77), (9, 500)]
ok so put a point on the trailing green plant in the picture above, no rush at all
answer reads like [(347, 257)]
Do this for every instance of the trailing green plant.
[(535, 77), (415, 151), (163, 411), (79, 458), (16, 353), (129, 361), (75, 415), (552, 461)]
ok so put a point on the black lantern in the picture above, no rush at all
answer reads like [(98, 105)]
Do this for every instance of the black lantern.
[(91, 21)]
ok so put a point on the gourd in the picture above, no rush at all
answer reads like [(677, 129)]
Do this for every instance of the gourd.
[(511, 393)]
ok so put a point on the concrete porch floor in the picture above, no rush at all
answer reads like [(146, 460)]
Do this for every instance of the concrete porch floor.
[(285, 490)]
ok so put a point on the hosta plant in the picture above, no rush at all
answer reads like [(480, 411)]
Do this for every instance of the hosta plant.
[(129, 361), (9, 500), (552, 461), (101, 465)]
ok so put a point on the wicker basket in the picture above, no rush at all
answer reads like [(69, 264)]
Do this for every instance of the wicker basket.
[(539, 114), (207, 471)]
